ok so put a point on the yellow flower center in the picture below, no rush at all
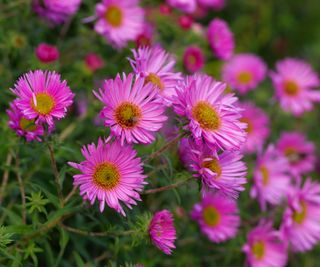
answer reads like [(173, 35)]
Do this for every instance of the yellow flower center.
[(214, 166), (211, 216), (244, 77), (114, 16), (258, 249), (106, 175), (44, 103), (127, 115), (206, 116), (290, 88), (292, 155), (265, 175), (155, 80), (249, 128), (299, 217), (27, 125), (192, 59)]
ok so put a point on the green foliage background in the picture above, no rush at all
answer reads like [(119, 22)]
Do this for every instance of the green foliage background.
[(273, 29)]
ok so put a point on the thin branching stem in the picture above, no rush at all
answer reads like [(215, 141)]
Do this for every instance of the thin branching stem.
[(5, 176), (21, 188)]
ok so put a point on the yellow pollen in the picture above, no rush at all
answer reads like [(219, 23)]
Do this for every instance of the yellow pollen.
[(127, 115), (292, 155), (249, 128), (211, 216), (206, 116), (155, 80), (192, 59), (258, 249), (114, 16), (27, 125), (214, 166), (44, 103), (299, 217), (290, 88), (106, 175), (244, 77), (265, 175)]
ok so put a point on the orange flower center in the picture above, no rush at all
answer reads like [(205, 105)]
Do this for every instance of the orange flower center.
[(192, 59), (114, 16), (44, 103), (249, 128), (106, 175), (127, 115), (299, 217), (258, 249), (155, 80), (290, 88), (265, 175), (211, 216), (206, 116), (27, 125), (244, 77), (214, 166)]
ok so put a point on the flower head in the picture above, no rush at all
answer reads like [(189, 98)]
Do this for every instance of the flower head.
[(212, 114), (47, 53), (188, 6), (56, 11), (265, 247), (110, 173), (157, 66), (145, 37), (301, 224), (271, 179), (193, 59), (132, 110), (244, 72), (119, 21), (299, 151), (22, 125), (257, 127), (42, 96), (93, 62), (214, 4), (217, 217), (162, 231), (294, 81), (221, 39)]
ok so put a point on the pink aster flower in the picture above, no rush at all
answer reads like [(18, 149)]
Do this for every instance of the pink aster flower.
[(299, 151), (271, 179), (42, 96), (257, 127), (56, 11), (157, 66), (217, 217), (162, 231), (119, 21), (301, 224), (212, 114), (214, 4), (23, 126), (93, 62), (244, 72), (224, 172), (294, 81), (132, 110), (188, 6), (220, 39), (193, 59), (265, 247), (110, 173), (47, 53), (145, 37)]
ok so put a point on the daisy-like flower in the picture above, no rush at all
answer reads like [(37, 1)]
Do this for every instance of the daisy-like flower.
[(271, 179), (212, 114), (162, 231), (23, 126), (244, 72), (110, 173), (265, 247), (42, 96), (217, 217), (145, 37), (294, 81), (157, 66), (224, 172), (220, 39), (56, 11), (257, 129), (132, 110), (188, 6), (214, 4), (299, 151), (119, 21), (193, 59), (301, 224)]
